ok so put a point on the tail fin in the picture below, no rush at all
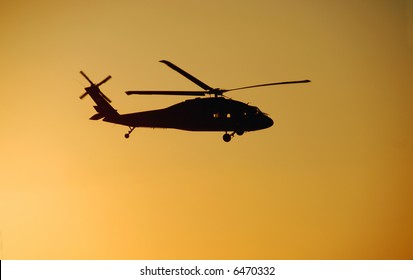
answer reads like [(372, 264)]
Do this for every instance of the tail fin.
[(103, 108)]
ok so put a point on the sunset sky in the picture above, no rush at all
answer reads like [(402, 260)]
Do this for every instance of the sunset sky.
[(332, 179)]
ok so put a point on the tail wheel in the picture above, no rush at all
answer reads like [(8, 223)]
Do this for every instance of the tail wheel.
[(131, 128)]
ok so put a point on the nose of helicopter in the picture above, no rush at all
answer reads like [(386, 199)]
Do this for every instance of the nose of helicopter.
[(268, 122)]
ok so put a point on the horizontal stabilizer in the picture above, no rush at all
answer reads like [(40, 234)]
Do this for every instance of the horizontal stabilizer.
[(97, 116)]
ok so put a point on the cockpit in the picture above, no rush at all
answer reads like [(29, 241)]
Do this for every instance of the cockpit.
[(256, 111)]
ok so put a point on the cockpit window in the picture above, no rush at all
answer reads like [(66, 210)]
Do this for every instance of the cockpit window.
[(218, 115), (257, 111)]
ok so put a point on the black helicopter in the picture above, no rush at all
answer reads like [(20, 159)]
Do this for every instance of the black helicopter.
[(214, 113)]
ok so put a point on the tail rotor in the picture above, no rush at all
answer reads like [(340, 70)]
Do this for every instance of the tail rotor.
[(94, 87)]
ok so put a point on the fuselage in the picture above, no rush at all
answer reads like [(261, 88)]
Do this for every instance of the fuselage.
[(200, 114)]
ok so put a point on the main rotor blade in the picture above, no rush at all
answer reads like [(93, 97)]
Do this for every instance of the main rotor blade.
[(265, 85), (186, 75), (86, 77), (167, 92), (104, 80)]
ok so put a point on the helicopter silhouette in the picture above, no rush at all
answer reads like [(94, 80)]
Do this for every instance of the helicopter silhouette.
[(213, 113)]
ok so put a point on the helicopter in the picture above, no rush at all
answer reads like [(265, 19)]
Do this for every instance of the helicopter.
[(213, 113)]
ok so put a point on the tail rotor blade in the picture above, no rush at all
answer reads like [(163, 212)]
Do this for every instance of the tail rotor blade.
[(83, 95), (105, 97), (104, 81), (86, 77)]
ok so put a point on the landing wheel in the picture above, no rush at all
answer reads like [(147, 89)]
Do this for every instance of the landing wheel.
[(131, 128), (226, 137), (239, 132)]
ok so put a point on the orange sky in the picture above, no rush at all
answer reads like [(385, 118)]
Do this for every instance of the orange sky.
[(330, 180)]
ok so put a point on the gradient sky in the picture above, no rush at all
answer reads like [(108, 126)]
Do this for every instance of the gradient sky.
[(332, 179)]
